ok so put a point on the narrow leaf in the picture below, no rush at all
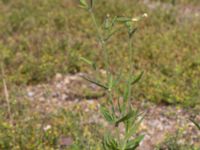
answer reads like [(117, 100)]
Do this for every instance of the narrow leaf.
[(91, 3), (114, 21), (126, 96), (86, 60), (111, 34), (128, 25), (109, 143), (133, 144), (132, 120), (107, 115), (125, 118), (132, 31), (89, 62), (195, 123), (134, 128), (83, 3), (123, 19), (136, 79), (110, 84), (96, 83)]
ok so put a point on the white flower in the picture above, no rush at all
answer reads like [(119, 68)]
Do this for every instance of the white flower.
[(145, 15), (140, 17), (47, 127), (135, 19)]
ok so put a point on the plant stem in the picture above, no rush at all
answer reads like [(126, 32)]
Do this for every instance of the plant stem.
[(106, 58), (131, 69), (6, 93), (103, 45)]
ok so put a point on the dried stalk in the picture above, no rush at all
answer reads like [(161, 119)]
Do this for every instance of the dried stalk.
[(6, 93)]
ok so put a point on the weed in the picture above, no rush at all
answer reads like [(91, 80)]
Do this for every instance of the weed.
[(118, 110), (173, 142)]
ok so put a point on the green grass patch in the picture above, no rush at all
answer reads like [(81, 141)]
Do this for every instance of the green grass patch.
[(38, 129), (41, 38)]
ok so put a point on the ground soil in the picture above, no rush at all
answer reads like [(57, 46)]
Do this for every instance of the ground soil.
[(160, 122)]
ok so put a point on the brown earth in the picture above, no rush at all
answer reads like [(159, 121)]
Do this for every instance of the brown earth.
[(160, 121)]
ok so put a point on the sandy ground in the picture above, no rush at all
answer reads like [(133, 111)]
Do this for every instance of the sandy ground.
[(160, 121)]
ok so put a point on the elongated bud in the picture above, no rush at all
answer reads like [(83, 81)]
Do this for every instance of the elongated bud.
[(145, 15), (135, 19), (107, 22)]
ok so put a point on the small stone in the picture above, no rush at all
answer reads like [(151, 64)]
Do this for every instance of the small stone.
[(65, 141), (59, 86), (87, 110), (58, 76), (73, 78), (55, 94), (41, 99), (76, 100), (30, 94), (103, 72), (67, 80), (64, 97), (91, 102)]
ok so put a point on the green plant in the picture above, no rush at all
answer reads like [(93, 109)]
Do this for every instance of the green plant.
[(118, 111), (172, 142), (195, 123), (37, 37), (35, 130)]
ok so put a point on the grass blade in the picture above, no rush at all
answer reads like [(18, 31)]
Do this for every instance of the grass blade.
[(126, 117), (107, 115), (195, 123), (83, 4), (136, 79), (96, 83), (133, 144), (89, 62)]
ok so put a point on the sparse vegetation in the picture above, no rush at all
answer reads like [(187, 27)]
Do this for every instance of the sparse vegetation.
[(38, 129), (172, 143), (41, 38)]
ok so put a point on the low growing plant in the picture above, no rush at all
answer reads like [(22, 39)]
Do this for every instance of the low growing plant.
[(118, 111), (172, 142)]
